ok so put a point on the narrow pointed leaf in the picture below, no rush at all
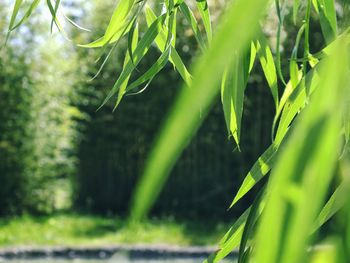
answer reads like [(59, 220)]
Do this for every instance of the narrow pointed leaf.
[(230, 38), (128, 57), (260, 168), (189, 16), (268, 66), (174, 55), (27, 14), (328, 19), (231, 239), (233, 86), (303, 171), (152, 71), (203, 8), (254, 214), (141, 49), (15, 11), (116, 26), (333, 205), (296, 6)]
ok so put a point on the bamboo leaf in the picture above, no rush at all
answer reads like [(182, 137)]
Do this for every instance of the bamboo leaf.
[(141, 49), (296, 101), (328, 19), (53, 10), (15, 11), (231, 239), (268, 66), (189, 16), (174, 55), (253, 52), (116, 27), (260, 168), (304, 170), (128, 57), (333, 205), (292, 101), (231, 38), (293, 65), (152, 71), (296, 6), (27, 14), (254, 214), (203, 8), (233, 85), (54, 16)]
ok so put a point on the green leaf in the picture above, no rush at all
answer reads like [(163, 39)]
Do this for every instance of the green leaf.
[(233, 85), (333, 205), (293, 65), (193, 104), (304, 169), (292, 101), (27, 14), (174, 55), (151, 72), (280, 16), (117, 25), (53, 10), (128, 57), (141, 49), (54, 16), (296, 101), (268, 66), (203, 8), (189, 16), (260, 168), (15, 11), (296, 6), (253, 52), (328, 19), (255, 212), (231, 239)]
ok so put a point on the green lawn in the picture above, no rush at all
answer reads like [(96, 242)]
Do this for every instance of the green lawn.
[(81, 230)]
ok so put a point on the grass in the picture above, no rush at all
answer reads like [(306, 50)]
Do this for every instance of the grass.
[(87, 230)]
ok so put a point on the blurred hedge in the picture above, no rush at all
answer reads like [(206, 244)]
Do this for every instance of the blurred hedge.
[(37, 131)]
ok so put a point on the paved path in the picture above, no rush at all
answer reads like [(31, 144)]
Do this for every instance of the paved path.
[(132, 251)]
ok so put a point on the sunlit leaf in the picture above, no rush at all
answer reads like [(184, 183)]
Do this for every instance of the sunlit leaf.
[(186, 11), (328, 19), (15, 11), (233, 85), (261, 167), (231, 239), (268, 66), (117, 24), (27, 14), (174, 55), (204, 11), (304, 170), (128, 57), (333, 205), (141, 49)]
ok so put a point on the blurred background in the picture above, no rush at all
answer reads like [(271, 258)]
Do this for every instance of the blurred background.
[(61, 160)]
